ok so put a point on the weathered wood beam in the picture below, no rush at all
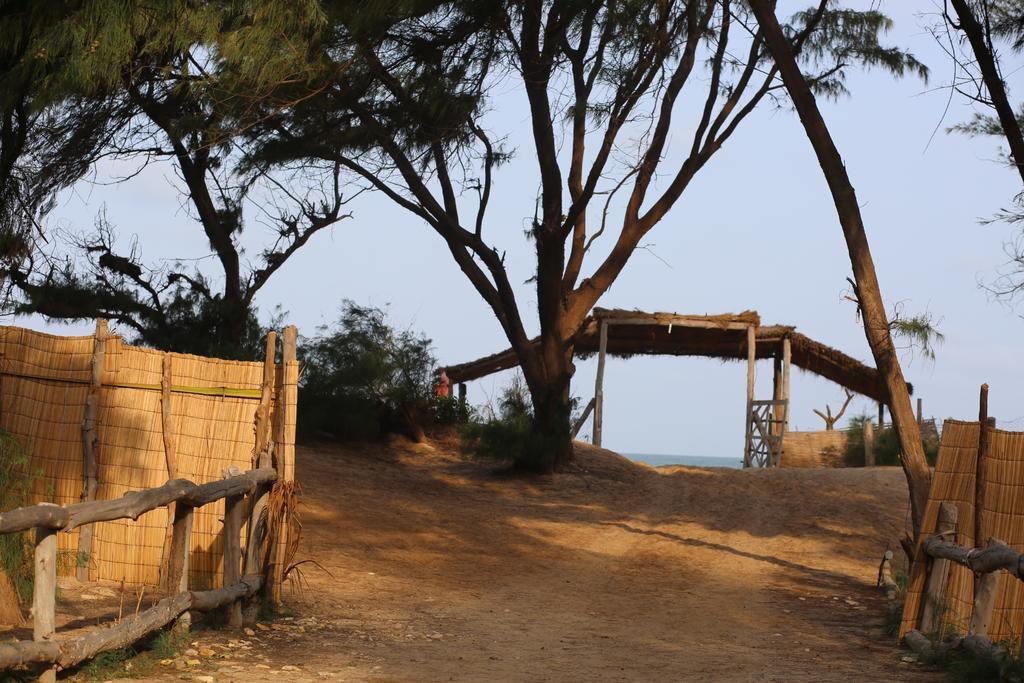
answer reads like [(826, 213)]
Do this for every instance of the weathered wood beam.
[(938, 573), (257, 531), (981, 467), (984, 599), (132, 504), (44, 592), (748, 428), (583, 417), (91, 442), (677, 321), (21, 653), (233, 554), (991, 559), (602, 353), (73, 651)]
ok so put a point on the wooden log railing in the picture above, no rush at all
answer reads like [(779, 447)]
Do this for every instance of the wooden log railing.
[(985, 563), (47, 519)]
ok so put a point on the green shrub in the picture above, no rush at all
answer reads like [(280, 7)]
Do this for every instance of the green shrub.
[(887, 445), (508, 434), (16, 482), (362, 378), (449, 410)]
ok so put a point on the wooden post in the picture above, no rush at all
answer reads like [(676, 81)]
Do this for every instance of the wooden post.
[(462, 396), (181, 548), (980, 468), (787, 361), (90, 447), (170, 458), (869, 444), (44, 591), (602, 351), (284, 453), (881, 416), (254, 560), (938, 574), (920, 411), (777, 411), (748, 431), (984, 599), (233, 554)]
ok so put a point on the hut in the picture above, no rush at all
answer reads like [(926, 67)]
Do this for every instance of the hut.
[(624, 333)]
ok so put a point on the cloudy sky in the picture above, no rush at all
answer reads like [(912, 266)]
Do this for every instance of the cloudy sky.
[(756, 230)]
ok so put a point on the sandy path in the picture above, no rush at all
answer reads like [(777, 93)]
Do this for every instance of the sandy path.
[(442, 570)]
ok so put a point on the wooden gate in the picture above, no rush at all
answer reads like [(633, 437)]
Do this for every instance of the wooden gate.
[(766, 426)]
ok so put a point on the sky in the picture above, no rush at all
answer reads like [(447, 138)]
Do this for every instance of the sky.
[(756, 230)]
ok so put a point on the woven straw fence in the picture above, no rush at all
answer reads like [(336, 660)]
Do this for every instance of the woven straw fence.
[(1003, 518), (45, 381), (813, 449)]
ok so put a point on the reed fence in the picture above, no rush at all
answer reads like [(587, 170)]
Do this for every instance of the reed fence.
[(240, 581), (100, 418), (973, 528)]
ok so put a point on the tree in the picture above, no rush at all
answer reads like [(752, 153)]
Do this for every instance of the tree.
[(405, 108), (983, 26), (830, 420), (177, 82), (866, 289)]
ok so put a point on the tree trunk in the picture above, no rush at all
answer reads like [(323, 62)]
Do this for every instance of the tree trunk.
[(876, 324), (551, 449), (989, 69)]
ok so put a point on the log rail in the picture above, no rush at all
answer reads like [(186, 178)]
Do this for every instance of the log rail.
[(985, 563), (47, 519)]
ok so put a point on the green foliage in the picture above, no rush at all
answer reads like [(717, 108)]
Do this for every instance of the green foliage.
[(107, 665), (920, 332), (510, 433), (887, 445), (168, 643), (16, 484), (362, 378), (847, 36), (449, 410)]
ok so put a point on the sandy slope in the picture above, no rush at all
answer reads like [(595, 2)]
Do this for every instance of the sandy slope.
[(442, 569), (433, 568)]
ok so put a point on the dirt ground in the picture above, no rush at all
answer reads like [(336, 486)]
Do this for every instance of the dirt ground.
[(430, 567)]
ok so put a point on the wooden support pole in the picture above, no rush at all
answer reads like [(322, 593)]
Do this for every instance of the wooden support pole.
[(462, 398), (233, 554), (90, 447), (181, 548), (787, 361), (44, 592), (920, 411), (778, 414), (170, 458), (938, 574), (984, 599), (749, 427), (254, 559), (881, 416), (284, 454), (980, 468), (602, 350), (869, 444), (583, 418)]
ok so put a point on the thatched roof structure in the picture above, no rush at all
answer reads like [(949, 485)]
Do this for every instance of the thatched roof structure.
[(719, 336)]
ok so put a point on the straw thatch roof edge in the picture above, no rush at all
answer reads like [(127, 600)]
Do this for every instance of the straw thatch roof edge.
[(656, 338)]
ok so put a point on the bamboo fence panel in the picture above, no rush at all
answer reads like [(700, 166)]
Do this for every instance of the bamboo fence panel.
[(824, 448), (44, 381), (1003, 518)]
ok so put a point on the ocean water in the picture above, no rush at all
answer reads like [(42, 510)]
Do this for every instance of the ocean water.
[(658, 460)]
